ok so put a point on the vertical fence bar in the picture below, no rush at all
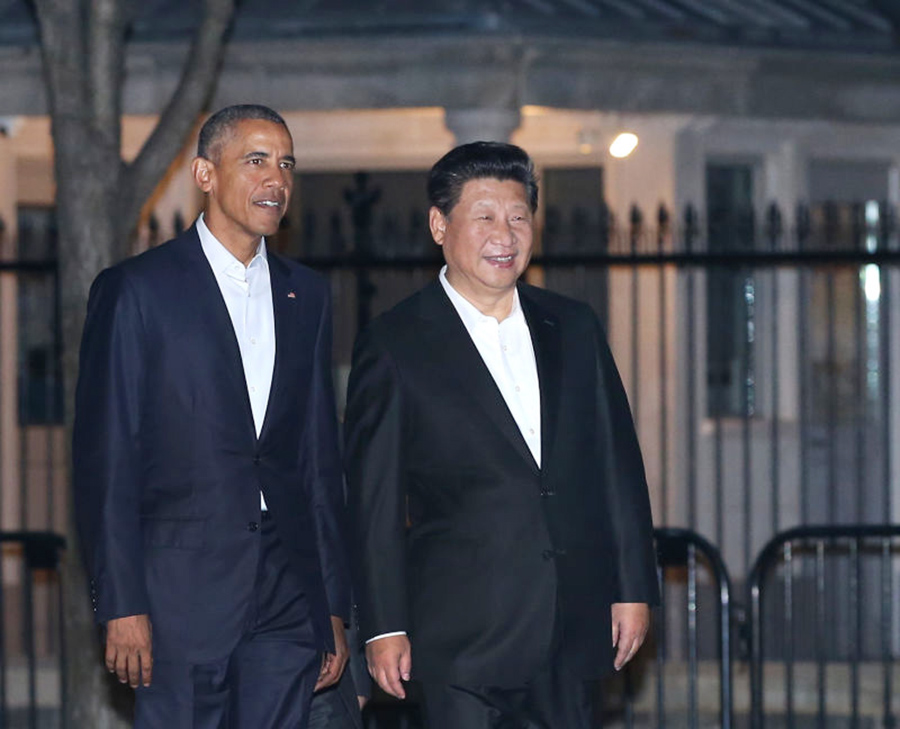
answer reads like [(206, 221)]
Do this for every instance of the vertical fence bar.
[(23, 450), (774, 229), (726, 686), (757, 653), (719, 484), (859, 395), (802, 348), (661, 651), (788, 641), (853, 593), (886, 625), (662, 232), (693, 657), (888, 606), (28, 619), (832, 399), (61, 663), (634, 237), (690, 231), (821, 617)]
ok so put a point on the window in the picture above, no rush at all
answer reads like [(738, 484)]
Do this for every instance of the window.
[(39, 340), (730, 291), (576, 222)]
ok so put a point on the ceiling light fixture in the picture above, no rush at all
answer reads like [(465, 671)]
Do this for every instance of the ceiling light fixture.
[(623, 145)]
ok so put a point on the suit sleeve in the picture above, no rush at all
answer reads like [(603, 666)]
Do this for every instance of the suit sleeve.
[(106, 448), (326, 478), (627, 496), (374, 428)]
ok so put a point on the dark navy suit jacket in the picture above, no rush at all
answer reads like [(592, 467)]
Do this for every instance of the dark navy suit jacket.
[(167, 465)]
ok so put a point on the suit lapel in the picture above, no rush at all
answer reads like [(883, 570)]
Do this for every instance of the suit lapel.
[(452, 349), (286, 302), (545, 338), (215, 322)]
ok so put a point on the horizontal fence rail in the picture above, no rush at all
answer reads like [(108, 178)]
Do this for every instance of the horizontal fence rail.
[(31, 646), (818, 574)]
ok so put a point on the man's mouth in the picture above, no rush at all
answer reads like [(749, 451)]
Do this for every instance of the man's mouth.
[(501, 259), (269, 203)]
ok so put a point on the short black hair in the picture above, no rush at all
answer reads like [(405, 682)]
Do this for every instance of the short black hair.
[(476, 161), (223, 122)]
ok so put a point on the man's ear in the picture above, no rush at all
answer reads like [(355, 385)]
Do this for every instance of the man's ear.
[(437, 223), (202, 169)]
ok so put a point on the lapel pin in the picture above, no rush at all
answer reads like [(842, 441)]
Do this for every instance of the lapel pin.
[(292, 295)]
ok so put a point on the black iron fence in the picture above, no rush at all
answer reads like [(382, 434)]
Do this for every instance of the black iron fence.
[(758, 350), (31, 646), (758, 354)]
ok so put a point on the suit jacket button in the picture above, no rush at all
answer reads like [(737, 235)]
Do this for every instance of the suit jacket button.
[(546, 493), (255, 460), (547, 554), (252, 526)]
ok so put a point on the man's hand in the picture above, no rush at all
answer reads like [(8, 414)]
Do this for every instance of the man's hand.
[(390, 660), (333, 663), (630, 623), (128, 649)]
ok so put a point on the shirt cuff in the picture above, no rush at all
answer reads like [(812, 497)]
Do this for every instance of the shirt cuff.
[(386, 635)]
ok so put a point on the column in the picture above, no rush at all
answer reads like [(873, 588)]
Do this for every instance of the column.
[(482, 125)]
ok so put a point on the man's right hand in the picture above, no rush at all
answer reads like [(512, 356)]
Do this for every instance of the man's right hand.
[(390, 660), (128, 649)]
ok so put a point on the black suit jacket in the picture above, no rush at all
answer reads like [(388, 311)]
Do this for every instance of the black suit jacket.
[(168, 467), (463, 541)]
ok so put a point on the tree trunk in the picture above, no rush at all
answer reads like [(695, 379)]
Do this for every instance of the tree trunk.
[(92, 697)]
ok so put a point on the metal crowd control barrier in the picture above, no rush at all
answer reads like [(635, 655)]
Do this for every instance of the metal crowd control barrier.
[(860, 566), (677, 550), (36, 552)]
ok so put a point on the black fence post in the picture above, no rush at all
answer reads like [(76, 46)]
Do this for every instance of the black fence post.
[(362, 200)]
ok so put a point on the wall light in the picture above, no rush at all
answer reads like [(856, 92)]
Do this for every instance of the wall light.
[(623, 145), (586, 140)]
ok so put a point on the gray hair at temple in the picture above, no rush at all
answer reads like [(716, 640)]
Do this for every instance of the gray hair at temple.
[(475, 161), (221, 124)]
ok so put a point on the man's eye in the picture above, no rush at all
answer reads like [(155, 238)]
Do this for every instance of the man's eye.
[(287, 165)]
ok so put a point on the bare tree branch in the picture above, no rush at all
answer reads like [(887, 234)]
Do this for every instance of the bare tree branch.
[(190, 98)]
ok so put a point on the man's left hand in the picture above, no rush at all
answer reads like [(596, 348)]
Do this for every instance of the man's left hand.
[(333, 663), (630, 623)]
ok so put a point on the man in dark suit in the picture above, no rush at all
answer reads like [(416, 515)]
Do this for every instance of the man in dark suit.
[(206, 466), (496, 486)]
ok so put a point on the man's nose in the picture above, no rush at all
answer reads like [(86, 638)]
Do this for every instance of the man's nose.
[(506, 233), (277, 177)]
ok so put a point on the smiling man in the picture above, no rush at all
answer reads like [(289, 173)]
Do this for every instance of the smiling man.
[(496, 485), (206, 471)]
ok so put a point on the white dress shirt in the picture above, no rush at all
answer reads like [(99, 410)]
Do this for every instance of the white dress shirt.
[(247, 291), (508, 353)]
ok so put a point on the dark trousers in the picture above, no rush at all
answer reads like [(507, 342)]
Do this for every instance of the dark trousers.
[(267, 680), (553, 700)]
